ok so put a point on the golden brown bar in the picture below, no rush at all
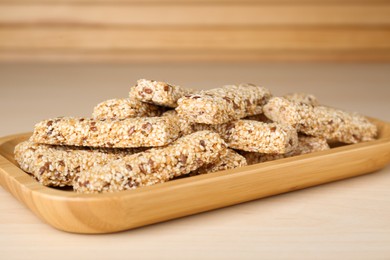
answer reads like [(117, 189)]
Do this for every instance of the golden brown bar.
[(255, 136), (321, 121), (306, 144), (59, 165), (154, 166), (119, 109), (221, 105), (128, 133)]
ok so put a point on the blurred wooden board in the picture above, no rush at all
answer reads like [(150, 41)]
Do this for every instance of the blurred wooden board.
[(192, 2), (175, 57), (199, 15), (194, 30), (193, 39)]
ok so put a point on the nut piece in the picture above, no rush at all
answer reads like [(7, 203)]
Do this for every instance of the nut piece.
[(221, 105), (156, 165), (330, 123), (306, 144), (158, 93), (119, 109), (128, 133), (58, 165)]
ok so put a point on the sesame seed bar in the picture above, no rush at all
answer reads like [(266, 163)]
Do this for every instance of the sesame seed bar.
[(249, 135), (306, 144), (221, 105), (303, 98), (119, 109), (154, 166), (321, 121), (255, 136), (128, 133), (159, 93), (231, 160), (58, 165)]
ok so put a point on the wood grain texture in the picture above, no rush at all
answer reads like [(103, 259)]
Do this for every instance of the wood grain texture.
[(176, 57), (205, 15), (103, 213), (195, 2), (210, 39), (194, 30)]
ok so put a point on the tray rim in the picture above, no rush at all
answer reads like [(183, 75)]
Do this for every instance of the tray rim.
[(27, 184)]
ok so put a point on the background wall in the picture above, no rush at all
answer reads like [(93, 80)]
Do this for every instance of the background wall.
[(194, 30)]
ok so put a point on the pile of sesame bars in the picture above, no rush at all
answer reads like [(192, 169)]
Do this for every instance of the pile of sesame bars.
[(163, 132)]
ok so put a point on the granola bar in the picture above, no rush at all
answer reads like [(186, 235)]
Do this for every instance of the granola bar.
[(59, 165), (156, 165), (255, 136), (159, 93), (119, 109), (303, 98), (321, 121), (221, 105), (238, 139), (306, 144), (296, 97), (128, 133)]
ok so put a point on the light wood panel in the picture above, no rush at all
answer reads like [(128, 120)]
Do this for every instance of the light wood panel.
[(110, 212), (192, 44), (213, 39), (205, 15), (142, 57), (194, 30), (194, 2)]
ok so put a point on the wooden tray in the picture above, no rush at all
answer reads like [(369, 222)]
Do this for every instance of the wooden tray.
[(104, 213)]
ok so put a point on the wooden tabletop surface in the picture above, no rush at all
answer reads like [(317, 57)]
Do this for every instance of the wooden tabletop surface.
[(348, 219)]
